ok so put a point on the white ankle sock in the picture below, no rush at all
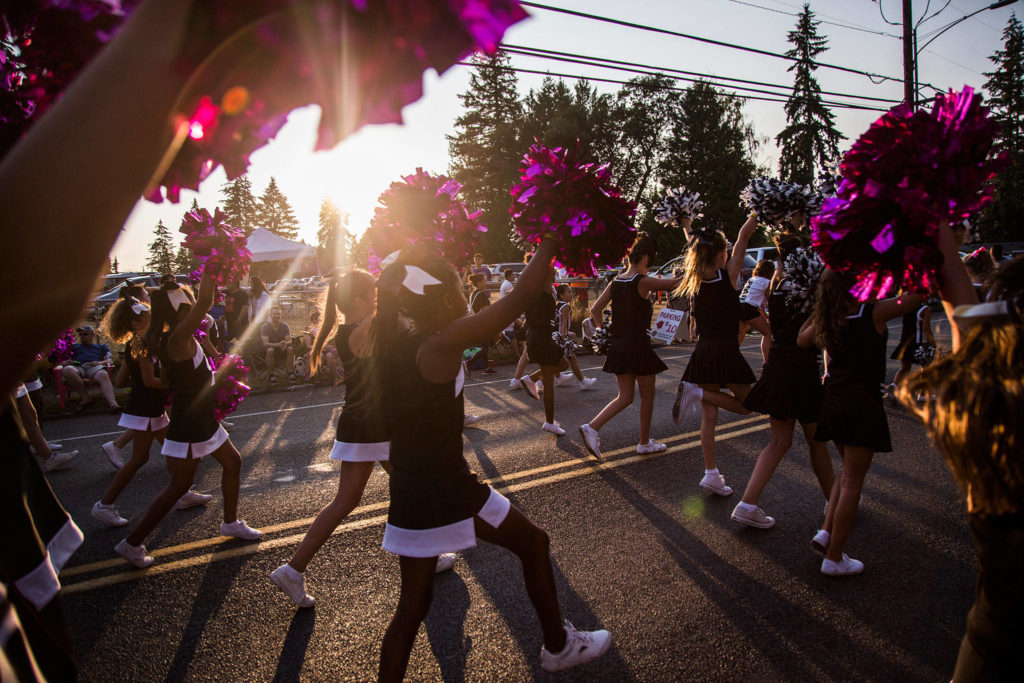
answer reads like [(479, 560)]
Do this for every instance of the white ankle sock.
[(746, 507), (292, 572), (714, 471)]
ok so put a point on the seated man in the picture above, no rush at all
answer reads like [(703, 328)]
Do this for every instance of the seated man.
[(277, 342), (90, 360)]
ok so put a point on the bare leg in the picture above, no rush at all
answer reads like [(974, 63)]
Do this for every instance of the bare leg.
[(575, 365), (856, 461), (646, 385), (720, 399), (708, 422), (230, 478), (622, 401), (122, 440), (524, 358), (183, 473), (351, 484), (821, 463), (106, 388), (75, 383), (413, 603), (769, 459), (140, 455), (30, 420), (547, 373), (760, 323)]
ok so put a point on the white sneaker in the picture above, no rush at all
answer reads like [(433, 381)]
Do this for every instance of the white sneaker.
[(554, 428), (755, 518), (284, 577), (587, 383), (113, 454), (591, 440), (54, 447), (135, 554), (239, 529), (716, 484), (514, 384), (821, 540), (228, 426), (580, 647), (686, 395), (59, 461), (468, 419), (445, 562), (651, 446), (192, 499), (108, 514), (844, 567), (562, 380), (531, 387)]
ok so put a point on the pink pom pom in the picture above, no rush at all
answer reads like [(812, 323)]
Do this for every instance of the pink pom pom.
[(220, 248), (578, 204), (60, 351), (230, 388), (424, 208), (908, 172)]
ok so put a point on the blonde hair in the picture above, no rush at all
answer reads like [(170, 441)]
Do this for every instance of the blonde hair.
[(703, 250)]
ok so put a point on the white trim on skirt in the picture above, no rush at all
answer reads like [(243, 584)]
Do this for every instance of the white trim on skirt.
[(41, 584), (445, 539), (178, 449), (143, 424), (360, 452)]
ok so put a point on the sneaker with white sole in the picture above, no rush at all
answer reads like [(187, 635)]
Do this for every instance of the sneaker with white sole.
[(192, 499), (239, 529), (651, 446), (554, 428), (587, 383), (293, 583), (468, 419), (514, 384), (531, 388), (135, 554), (716, 484), (108, 514), (686, 396), (844, 567), (580, 647), (113, 454), (755, 518), (445, 561), (591, 440), (59, 461), (821, 540), (54, 447), (562, 380)]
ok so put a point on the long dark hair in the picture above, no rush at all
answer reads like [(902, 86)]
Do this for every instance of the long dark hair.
[(704, 248), (257, 287), (162, 314), (830, 309), (643, 245), (118, 323), (343, 290)]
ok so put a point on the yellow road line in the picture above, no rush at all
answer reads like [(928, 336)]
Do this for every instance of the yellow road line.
[(589, 467)]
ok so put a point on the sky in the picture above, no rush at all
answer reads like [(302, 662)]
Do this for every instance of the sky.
[(355, 172)]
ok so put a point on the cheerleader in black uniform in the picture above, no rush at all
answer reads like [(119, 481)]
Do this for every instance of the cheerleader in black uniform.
[(788, 390), (631, 358), (916, 334), (361, 439), (437, 504), (566, 339), (542, 350), (710, 278), (854, 336), (193, 431)]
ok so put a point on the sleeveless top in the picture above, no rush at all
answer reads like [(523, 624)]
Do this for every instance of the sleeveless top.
[(540, 313), (556, 320), (426, 418), (362, 419), (192, 396), (143, 401), (631, 313), (786, 322), (857, 363), (716, 307)]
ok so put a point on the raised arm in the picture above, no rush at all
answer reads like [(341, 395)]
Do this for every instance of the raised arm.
[(954, 282), (893, 308), (657, 284), (178, 343), (739, 250)]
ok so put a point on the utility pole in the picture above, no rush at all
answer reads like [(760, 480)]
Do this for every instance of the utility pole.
[(908, 53)]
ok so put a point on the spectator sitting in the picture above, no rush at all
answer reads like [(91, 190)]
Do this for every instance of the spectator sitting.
[(508, 283), (236, 310), (277, 342), (479, 268), (329, 355), (90, 360)]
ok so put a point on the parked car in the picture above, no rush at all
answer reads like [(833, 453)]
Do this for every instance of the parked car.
[(761, 253), (498, 270), (104, 301)]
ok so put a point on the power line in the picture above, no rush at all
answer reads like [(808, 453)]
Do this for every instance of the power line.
[(823, 21), (709, 41), (636, 67)]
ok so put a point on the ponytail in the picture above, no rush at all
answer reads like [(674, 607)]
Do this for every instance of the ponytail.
[(328, 317), (704, 247), (829, 314)]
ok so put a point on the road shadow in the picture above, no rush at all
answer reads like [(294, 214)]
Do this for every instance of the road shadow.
[(445, 626), (296, 642)]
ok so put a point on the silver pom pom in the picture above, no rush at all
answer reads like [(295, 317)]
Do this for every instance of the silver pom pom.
[(924, 354), (678, 205), (802, 270)]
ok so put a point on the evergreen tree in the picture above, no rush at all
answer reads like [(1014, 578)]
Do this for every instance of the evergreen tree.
[(810, 139), (711, 150), (161, 250), (334, 241), (183, 260), (1001, 220), (113, 266), (239, 204), (485, 150), (275, 213)]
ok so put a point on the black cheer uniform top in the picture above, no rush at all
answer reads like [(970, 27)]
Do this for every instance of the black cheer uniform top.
[(857, 364), (786, 322), (143, 401), (716, 307), (362, 419), (192, 396), (631, 313), (540, 321)]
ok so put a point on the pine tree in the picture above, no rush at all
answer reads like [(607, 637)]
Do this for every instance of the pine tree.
[(334, 241), (161, 250), (1001, 220), (275, 213), (183, 260), (485, 150), (810, 139), (239, 204)]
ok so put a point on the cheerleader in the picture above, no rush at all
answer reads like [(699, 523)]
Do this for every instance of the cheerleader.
[(542, 350), (193, 432), (113, 449), (361, 438), (789, 390), (437, 505), (631, 358), (917, 342), (854, 335), (566, 339), (752, 301), (710, 279)]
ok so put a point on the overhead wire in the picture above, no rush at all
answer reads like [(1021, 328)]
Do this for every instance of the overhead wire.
[(823, 21)]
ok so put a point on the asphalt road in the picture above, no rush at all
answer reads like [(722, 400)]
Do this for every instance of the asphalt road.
[(637, 548)]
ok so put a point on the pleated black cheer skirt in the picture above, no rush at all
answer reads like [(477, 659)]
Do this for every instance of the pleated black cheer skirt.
[(632, 356), (541, 348), (789, 388), (854, 419), (717, 360)]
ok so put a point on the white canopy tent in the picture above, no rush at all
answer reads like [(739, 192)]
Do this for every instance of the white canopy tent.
[(266, 246)]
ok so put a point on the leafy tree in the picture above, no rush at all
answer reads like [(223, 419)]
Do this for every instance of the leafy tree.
[(711, 150), (810, 139), (275, 213), (334, 241), (486, 148), (1002, 219), (161, 250), (239, 204), (558, 116)]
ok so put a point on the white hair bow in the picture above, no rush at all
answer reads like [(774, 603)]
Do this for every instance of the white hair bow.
[(416, 279), (177, 297), (137, 306)]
